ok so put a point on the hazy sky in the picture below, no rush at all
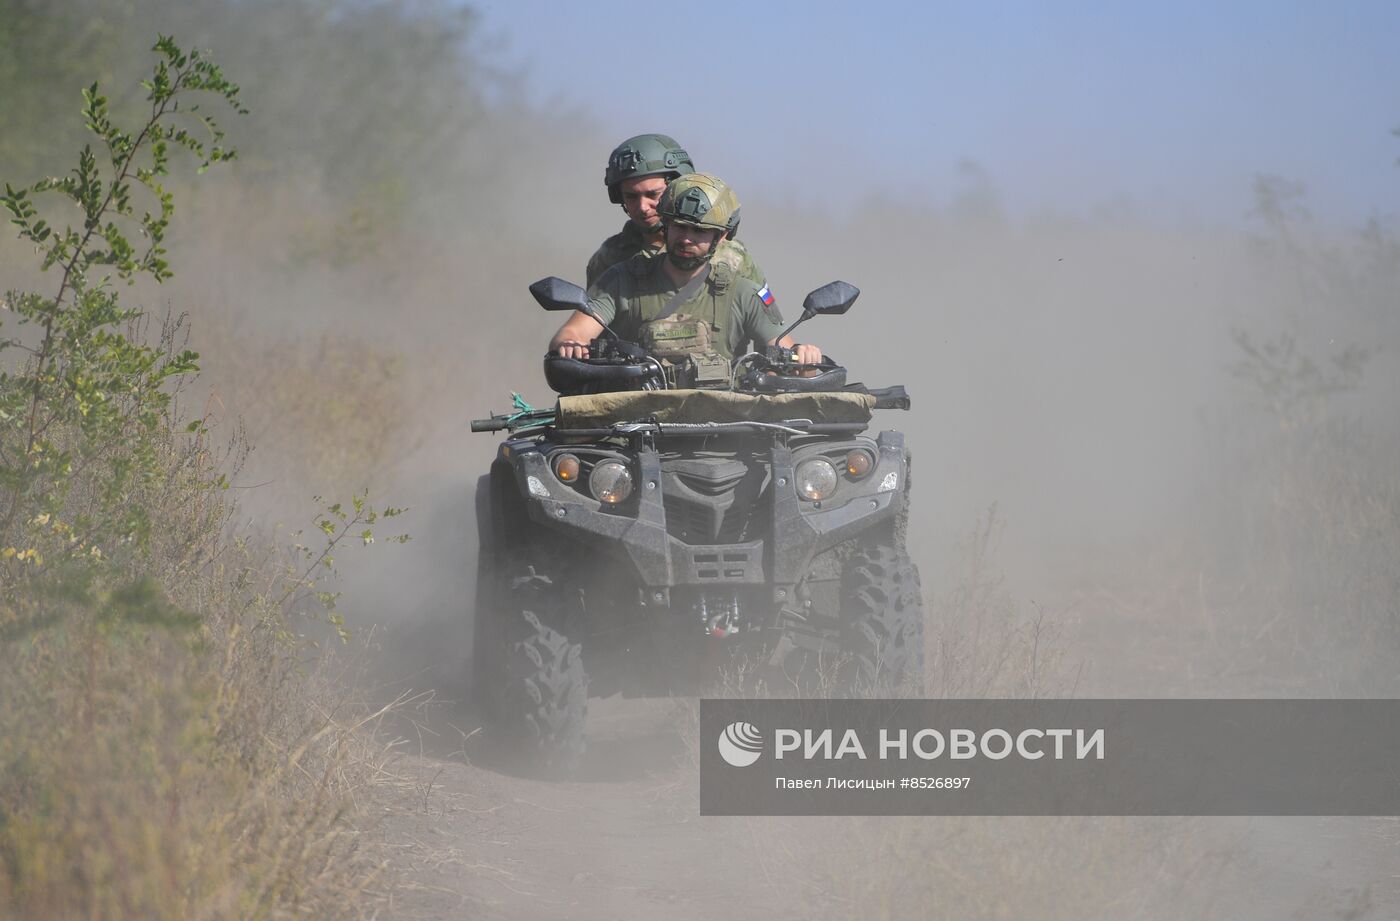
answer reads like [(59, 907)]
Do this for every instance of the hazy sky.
[(1173, 107)]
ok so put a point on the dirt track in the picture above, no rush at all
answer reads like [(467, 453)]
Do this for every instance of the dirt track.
[(624, 842)]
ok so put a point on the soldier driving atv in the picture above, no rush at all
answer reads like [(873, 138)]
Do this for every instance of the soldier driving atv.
[(677, 497), (636, 175), (679, 301)]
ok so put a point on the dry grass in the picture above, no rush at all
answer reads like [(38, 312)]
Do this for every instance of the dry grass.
[(158, 776), (328, 414), (190, 750), (1282, 579), (979, 643), (1313, 579)]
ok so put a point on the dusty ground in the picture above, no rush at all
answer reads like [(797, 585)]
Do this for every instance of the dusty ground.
[(625, 842)]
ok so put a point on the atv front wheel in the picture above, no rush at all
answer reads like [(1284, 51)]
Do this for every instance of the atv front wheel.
[(544, 700), (883, 621), (527, 673)]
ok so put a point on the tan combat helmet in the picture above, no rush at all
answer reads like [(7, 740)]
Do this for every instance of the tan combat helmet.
[(702, 200)]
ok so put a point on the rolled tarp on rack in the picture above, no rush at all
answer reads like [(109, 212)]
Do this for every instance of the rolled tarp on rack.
[(693, 406)]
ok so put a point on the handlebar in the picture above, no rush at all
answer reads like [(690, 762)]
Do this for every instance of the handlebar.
[(610, 371), (772, 371)]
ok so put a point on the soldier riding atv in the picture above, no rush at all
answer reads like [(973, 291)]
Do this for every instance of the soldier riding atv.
[(674, 508)]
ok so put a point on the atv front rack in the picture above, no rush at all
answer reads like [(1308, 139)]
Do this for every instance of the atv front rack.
[(513, 421), (525, 416), (702, 412), (706, 429), (503, 422)]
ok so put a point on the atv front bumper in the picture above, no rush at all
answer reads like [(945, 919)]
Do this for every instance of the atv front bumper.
[(638, 534)]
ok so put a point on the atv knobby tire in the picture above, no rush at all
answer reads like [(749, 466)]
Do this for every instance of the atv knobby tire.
[(527, 673), (883, 621), (544, 700)]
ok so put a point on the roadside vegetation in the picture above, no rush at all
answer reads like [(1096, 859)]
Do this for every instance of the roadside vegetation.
[(1279, 577), (1280, 574), (169, 744), (1304, 557)]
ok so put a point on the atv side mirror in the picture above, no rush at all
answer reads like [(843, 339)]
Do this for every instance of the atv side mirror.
[(557, 294), (554, 293), (834, 298)]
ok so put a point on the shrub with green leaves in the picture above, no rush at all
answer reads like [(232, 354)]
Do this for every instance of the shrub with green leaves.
[(83, 401), (166, 751)]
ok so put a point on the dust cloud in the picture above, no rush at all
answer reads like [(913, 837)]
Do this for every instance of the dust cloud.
[(357, 285)]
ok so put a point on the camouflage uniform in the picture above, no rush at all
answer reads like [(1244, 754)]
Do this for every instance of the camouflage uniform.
[(634, 292), (622, 246)]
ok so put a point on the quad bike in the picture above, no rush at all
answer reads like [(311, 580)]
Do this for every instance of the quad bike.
[(638, 533)]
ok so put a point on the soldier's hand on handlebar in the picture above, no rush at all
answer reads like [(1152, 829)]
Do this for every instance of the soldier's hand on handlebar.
[(785, 350), (571, 349)]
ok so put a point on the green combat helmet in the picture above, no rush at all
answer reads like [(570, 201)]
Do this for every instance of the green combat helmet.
[(701, 200), (644, 155)]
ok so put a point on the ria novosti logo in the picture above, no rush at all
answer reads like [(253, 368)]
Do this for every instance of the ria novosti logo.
[(740, 744)]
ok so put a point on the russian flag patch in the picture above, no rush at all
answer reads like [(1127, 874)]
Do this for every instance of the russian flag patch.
[(766, 296)]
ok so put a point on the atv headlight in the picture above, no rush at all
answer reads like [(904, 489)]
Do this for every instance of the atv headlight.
[(566, 468), (816, 479), (610, 482)]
